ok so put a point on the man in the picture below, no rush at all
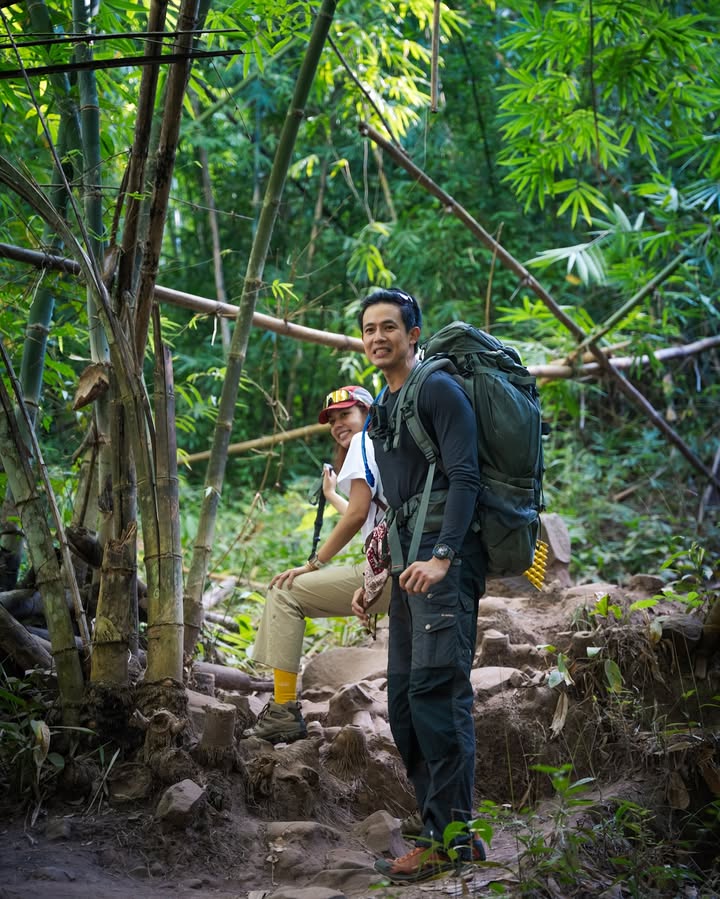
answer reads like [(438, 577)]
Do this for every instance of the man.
[(433, 609)]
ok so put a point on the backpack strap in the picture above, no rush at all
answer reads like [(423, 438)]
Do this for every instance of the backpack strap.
[(407, 410), (369, 476), (421, 515)]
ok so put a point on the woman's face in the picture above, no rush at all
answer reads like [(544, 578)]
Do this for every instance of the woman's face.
[(346, 422)]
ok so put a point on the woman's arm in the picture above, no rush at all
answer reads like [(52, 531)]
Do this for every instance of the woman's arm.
[(329, 488), (349, 524)]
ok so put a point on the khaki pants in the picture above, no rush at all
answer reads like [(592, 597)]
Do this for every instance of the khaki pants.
[(325, 593)]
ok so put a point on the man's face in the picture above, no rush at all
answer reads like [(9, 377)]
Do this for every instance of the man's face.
[(387, 343)]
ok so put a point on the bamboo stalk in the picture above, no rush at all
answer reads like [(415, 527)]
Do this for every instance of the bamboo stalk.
[(20, 645), (131, 387), (434, 58), (244, 322), (114, 619), (49, 578), (169, 136), (43, 303), (135, 181), (164, 609)]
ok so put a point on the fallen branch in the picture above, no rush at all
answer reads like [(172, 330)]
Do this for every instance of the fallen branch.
[(261, 442), (218, 593), (16, 642)]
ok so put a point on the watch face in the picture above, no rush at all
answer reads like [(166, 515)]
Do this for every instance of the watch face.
[(442, 551)]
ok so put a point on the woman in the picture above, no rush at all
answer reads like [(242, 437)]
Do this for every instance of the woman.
[(314, 590)]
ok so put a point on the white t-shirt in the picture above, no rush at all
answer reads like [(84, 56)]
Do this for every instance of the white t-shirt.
[(354, 469)]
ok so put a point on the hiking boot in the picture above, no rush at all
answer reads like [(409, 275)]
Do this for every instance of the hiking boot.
[(279, 723), (423, 863)]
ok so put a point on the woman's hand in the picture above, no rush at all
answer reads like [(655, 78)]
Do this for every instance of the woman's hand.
[(329, 482), (285, 579), (358, 606)]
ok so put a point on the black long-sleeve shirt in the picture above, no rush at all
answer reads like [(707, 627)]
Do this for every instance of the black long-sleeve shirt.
[(448, 417)]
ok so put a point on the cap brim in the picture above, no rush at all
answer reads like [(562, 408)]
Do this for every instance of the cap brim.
[(323, 416)]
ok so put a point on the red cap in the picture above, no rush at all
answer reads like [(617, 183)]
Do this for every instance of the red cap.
[(343, 398)]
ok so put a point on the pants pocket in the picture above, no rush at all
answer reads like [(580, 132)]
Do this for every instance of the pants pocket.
[(435, 643)]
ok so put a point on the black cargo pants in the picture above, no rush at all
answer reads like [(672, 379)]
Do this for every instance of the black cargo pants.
[(431, 648)]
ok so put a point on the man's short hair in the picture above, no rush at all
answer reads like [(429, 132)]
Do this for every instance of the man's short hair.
[(408, 305)]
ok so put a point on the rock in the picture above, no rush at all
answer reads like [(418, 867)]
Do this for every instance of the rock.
[(493, 679), (491, 605), (58, 829), (180, 803), (347, 702), (345, 880), (380, 832), (334, 669), (554, 532), (647, 584), (309, 833)]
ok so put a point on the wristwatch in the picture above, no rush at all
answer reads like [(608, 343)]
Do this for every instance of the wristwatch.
[(314, 562), (443, 551)]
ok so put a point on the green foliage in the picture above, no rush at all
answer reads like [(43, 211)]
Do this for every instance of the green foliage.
[(695, 573), (30, 760), (595, 89)]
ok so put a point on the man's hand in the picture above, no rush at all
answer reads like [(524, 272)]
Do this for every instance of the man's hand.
[(421, 576)]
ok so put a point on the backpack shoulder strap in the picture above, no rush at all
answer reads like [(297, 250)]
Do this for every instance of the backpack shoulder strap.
[(407, 410), (369, 476), (407, 406)]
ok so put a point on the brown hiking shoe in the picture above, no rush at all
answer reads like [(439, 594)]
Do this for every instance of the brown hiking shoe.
[(421, 863), (279, 723)]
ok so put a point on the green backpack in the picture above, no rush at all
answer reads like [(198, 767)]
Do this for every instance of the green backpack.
[(507, 408)]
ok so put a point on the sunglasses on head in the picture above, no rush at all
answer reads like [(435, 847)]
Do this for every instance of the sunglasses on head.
[(338, 396), (395, 295)]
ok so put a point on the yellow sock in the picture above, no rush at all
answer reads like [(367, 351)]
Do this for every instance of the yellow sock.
[(285, 686)]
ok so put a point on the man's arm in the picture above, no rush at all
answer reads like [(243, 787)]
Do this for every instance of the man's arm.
[(445, 408)]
